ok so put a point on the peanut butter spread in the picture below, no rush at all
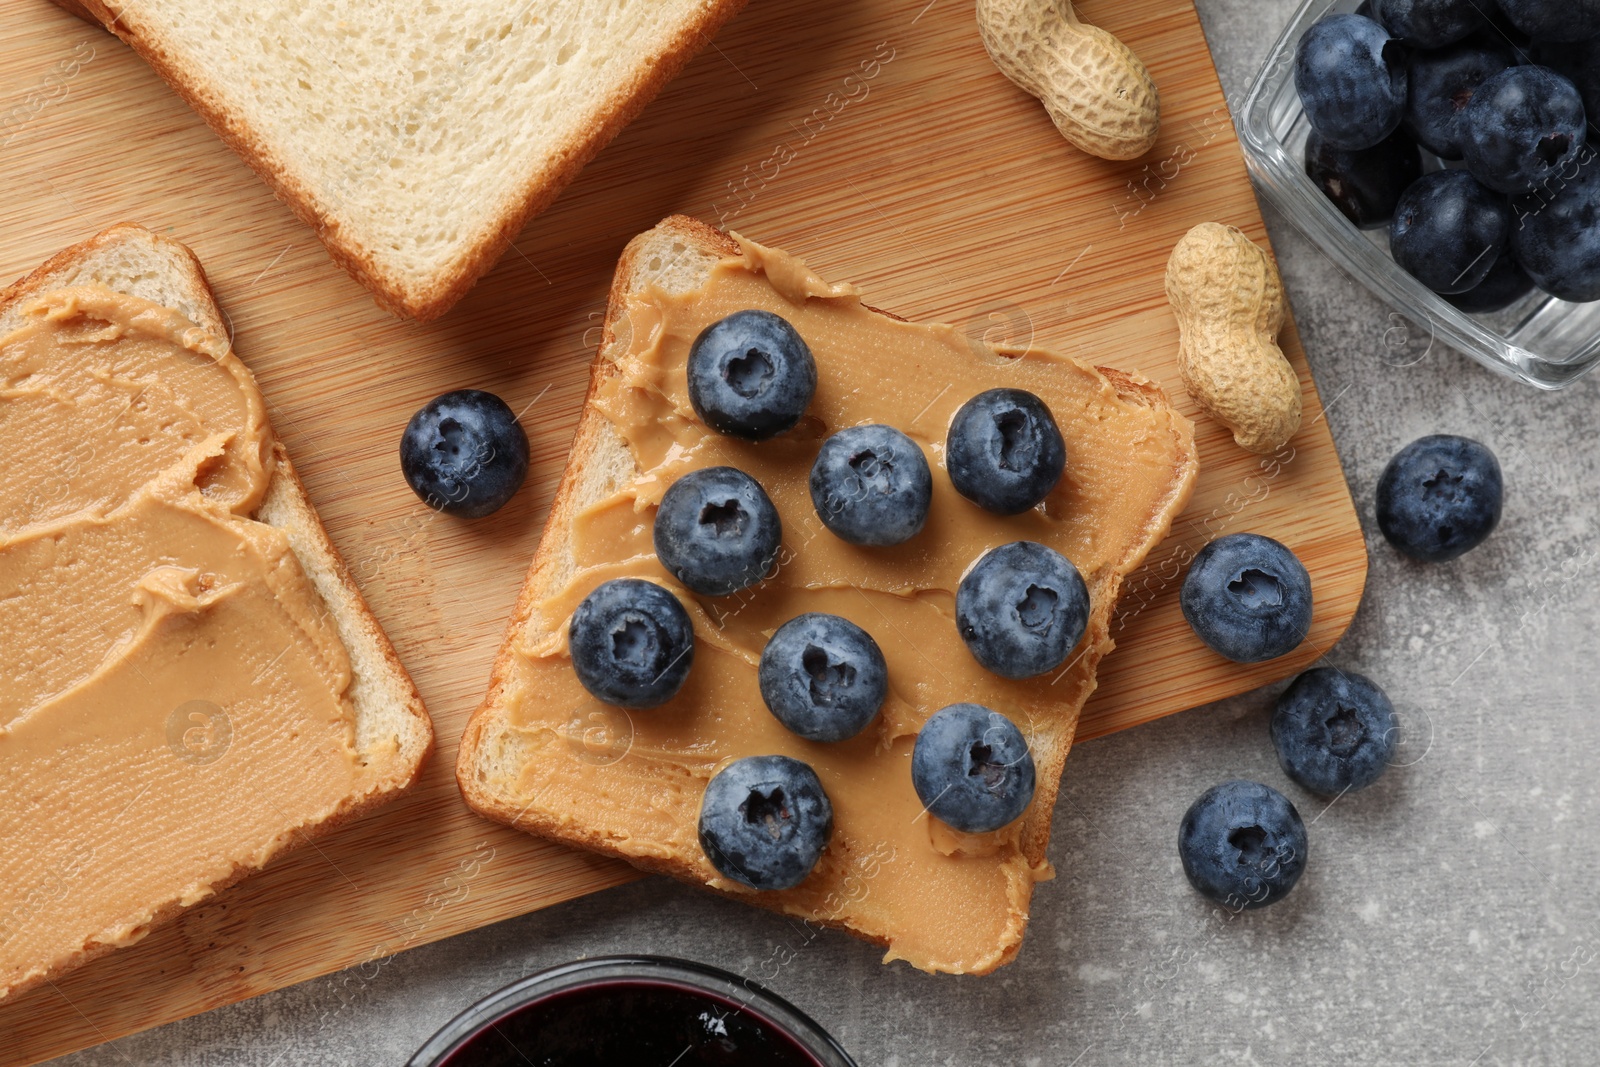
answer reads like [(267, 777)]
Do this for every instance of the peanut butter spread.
[(173, 695), (940, 899)]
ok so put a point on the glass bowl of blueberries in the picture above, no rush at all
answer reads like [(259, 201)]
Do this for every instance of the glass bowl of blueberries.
[(1446, 154)]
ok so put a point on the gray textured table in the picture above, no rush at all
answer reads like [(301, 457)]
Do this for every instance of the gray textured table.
[(1448, 915)]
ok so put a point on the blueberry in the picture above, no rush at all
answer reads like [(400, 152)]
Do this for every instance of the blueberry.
[(1430, 23), (1247, 597), (1021, 609), (1004, 451), (1556, 238), (871, 485), (1242, 844), (1439, 497), (764, 821), (464, 453), (751, 375), (823, 677), (1579, 63), (972, 769), (1523, 127), (1448, 231), (1334, 731), (1554, 20), (631, 643), (716, 531), (1351, 78), (1505, 285), (1442, 84), (1364, 183)]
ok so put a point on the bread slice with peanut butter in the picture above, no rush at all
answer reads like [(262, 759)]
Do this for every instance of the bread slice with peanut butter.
[(542, 755), (193, 683)]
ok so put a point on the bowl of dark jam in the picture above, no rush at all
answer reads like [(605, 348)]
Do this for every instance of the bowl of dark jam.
[(629, 1011)]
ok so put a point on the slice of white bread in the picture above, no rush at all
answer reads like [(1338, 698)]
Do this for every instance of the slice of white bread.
[(677, 256), (393, 734), (416, 139)]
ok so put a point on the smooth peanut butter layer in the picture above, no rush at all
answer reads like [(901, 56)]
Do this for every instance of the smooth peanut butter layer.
[(940, 899), (173, 694)]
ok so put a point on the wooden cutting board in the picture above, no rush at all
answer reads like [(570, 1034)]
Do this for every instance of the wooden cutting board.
[(876, 140)]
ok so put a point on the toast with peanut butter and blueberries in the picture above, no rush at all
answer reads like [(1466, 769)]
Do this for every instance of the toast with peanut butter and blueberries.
[(820, 598), (190, 681)]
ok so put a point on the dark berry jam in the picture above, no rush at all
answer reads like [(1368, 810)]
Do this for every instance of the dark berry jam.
[(629, 1023)]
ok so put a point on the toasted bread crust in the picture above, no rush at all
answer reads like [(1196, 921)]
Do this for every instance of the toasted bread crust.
[(486, 722), (43, 277), (287, 494), (487, 246), (73, 7)]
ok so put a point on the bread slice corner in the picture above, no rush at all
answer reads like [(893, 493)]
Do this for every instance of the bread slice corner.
[(393, 733), (416, 140)]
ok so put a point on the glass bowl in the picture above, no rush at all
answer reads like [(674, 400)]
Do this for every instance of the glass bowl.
[(1540, 340), (731, 992)]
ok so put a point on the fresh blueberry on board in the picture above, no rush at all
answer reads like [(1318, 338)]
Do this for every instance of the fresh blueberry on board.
[(1505, 284), (823, 677), (1554, 20), (464, 453), (1439, 497), (1523, 128), (1556, 237), (871, 485), (1242, 844), (1022, 609), (1364, 183), (972, 769), (631, 643), (1448, 230), (1333, 731), (751, 375), (1247, 597), (1430, 23), (716, 531), (1004, 451), (764, 821), (1440, 86), (1350, 75)]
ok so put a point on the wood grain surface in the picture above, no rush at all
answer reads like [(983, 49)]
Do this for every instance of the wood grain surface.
[(872, 137)]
